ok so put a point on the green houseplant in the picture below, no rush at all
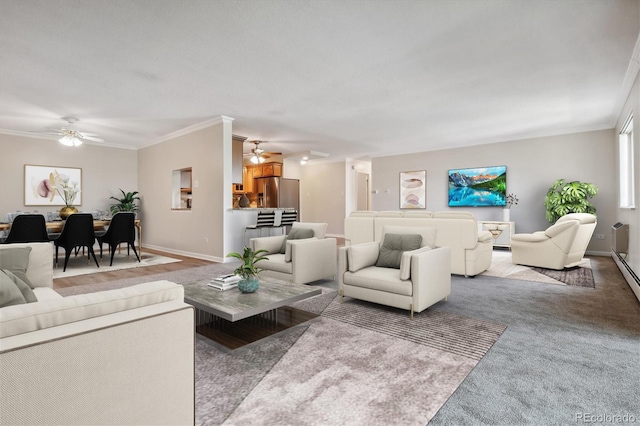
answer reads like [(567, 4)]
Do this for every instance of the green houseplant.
[(248, 269), (126, 203), (571, 197)]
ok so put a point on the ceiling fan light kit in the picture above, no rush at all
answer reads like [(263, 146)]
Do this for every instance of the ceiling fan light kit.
[(257, 157), (69, 140)]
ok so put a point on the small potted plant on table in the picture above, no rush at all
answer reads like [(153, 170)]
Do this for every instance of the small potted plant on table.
[(248, 269)]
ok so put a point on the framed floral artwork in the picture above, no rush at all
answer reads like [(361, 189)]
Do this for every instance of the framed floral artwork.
[(413, 190), (52, 186)]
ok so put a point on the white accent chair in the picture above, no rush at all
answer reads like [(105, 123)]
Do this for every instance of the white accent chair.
[(304, 260), (588, 224), (424, 277), (560, 246)]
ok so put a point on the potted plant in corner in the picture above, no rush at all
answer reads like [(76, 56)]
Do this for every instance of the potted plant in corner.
[(248, 270), (126, 203), (571, 197)]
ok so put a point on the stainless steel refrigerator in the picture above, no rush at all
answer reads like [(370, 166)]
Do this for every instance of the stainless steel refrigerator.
[(277, 192)]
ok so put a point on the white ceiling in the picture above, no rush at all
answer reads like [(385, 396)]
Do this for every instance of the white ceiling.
[(349, 78)]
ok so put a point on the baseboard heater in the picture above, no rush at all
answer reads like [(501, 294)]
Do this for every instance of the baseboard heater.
[(632, 278)]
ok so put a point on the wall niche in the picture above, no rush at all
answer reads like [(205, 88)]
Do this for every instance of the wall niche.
[(181, 194)]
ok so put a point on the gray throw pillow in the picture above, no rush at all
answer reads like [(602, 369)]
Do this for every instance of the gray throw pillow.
[(296, 234), (16, 260), (14, 291), (393, 246), (27, 293)]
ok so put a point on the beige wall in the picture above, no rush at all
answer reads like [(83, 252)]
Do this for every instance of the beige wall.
[(322, 195), (104, 171), (199, 231), (533, 165)]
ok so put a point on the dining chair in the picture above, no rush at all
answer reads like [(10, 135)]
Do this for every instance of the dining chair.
[(121, 230), (76, 232), (28, 228)]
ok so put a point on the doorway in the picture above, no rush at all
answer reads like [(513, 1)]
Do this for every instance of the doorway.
[(362, 191)]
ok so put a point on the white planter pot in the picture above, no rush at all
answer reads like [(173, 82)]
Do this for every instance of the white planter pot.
[(506, 215)]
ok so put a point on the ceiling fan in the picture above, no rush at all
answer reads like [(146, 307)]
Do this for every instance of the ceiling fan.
[(69, 136), (258, 155)]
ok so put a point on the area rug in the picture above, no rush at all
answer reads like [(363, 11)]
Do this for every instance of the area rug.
[(469, 337), (342, 368), (337, 369), (78, 265), (503, 267)]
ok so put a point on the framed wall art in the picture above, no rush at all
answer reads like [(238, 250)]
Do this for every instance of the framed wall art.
[(478, 187), (52, 186), (413, 190)]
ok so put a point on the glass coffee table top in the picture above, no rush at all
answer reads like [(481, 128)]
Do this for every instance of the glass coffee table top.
[(234, 319)]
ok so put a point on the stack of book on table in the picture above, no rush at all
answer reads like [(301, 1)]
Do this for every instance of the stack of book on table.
[(225, 282)]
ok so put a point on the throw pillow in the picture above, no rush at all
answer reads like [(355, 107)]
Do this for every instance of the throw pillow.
[(296, 234), (10, 293), (26, 291), (362, 255), (393, 246), (16, 260)]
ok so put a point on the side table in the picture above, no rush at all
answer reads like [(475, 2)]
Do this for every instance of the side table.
[(500, 231)]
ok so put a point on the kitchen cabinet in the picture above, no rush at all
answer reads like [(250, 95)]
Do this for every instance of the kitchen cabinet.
[(250, 172), (236, 158), (267, 170), (247, 179)]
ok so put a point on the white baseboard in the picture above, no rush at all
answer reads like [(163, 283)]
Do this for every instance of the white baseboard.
[(628, 275), (188, 254), (598, 253)]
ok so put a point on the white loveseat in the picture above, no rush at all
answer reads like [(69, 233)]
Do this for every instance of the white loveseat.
[(423, 278), (304, 260), (471, 250), (114, 357)]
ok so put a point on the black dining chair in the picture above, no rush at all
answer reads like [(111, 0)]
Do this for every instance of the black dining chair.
[(28, 228), (77, 232), (121, 230)]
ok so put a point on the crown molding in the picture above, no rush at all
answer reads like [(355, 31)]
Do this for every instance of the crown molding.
[(55, 138), (199, 126), (627, 83)]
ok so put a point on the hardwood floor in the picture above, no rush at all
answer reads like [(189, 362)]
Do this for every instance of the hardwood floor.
[(100, 277)]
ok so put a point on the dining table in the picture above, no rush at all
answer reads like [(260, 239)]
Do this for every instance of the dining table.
[(98, 224)]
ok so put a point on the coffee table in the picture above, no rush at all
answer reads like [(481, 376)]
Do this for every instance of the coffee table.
[(234, 319)]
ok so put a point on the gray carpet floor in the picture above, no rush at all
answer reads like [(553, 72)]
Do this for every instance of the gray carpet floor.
[(568, 352)]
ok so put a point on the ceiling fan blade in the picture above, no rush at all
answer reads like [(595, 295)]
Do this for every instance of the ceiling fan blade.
[(91, 138), (45, 133)]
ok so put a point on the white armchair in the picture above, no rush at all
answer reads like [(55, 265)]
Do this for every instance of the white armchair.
[(304, 260), (424, 277), (588, 224), (550, 248)]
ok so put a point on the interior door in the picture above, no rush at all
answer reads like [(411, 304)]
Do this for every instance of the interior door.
[(362, 202)]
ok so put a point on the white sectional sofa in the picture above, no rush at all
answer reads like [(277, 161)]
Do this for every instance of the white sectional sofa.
[(121, 356), (471, 250)]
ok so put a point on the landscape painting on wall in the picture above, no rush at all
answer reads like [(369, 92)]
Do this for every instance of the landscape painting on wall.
[(413, 190), (478, 187)]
